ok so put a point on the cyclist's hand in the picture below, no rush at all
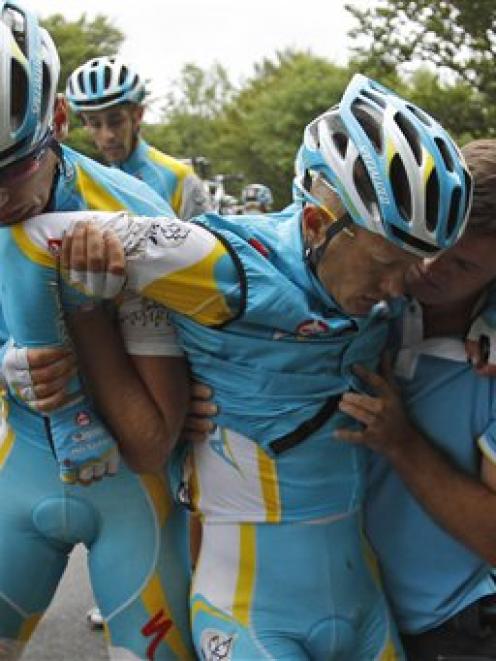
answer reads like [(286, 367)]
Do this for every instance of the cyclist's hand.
[(480, 346), (93, 260), (83, 446), (198, 424), (38, 377), (385, 424)]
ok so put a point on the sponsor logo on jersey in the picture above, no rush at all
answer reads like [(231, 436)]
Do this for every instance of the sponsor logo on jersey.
[(312, 327), (216, 645), (83, 418), (54, 246), (169, 235)]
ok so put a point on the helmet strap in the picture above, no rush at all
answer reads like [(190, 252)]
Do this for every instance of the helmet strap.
[(314, 255)]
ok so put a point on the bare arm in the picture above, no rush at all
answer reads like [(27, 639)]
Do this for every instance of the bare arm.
[(143, 399), (463, 505)]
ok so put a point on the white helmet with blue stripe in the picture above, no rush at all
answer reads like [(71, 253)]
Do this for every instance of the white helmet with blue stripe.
[(395, 168), (104, 82), (29, 71)]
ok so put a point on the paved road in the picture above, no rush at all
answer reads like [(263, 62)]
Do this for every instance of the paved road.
[(63, 634)]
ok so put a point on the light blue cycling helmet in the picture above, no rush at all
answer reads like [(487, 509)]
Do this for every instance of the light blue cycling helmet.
[(258, 194), (29, 71), (397, 172), (103, 82)]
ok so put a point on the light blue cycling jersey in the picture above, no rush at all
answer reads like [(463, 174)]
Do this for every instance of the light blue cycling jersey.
[(141, 588), (428, 575), (173, 180), (260, 329)]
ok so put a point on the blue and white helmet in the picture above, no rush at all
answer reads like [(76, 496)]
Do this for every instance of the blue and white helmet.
[(395, 168), (257, 193), (103, 82), (29, 72)]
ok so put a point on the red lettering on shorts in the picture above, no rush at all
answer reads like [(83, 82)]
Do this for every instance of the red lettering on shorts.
[(158, 627)]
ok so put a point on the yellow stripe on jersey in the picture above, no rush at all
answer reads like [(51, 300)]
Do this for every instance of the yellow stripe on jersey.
[(95, 196), (159, 494), (181, 170), (7, 437), (389, 653), (269, 485), (155, 601), (31, 249), (28, 626), (245, 586), (193, 291), (199, 606)]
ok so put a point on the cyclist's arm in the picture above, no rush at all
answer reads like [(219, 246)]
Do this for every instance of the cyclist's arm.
[(142, 398)]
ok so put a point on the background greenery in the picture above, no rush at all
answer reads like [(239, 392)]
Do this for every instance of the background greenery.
[(439, 54)]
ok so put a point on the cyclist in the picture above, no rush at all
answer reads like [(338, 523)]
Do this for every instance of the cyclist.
[(286, 310), (142, 590), (108, 95), (256, 198), (439, 458)]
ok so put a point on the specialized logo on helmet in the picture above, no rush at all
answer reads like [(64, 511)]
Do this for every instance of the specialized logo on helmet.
[(374, 173), (216, 645)]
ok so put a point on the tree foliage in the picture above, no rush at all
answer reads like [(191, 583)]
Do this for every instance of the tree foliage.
[(458, 37), (80, 40)]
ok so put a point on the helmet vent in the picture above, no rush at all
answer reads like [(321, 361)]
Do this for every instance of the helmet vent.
[(448, 161), (364, 186), (374, 97), (18, 99), (401, 187), (370, 119), (341, 142), (411, 135), (420, 115), (45, 94), (107, 76), (468, 186), (454, 210), (80, 80), (92, 81), (413, 241), (432, 201), (122, 75)]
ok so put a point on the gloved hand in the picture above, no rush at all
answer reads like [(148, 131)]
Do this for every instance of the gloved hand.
[(83, 446), (39, 377)]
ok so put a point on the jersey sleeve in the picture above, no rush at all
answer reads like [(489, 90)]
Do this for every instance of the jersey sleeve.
[(180, 265), (146, 328)]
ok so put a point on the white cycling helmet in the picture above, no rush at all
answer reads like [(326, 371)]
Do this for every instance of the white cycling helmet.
[(103, 82), (397, 171), (29, 71), (258, 194)]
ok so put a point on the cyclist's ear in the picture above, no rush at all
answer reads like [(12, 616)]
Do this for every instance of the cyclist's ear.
[(60, 118), (315, 223)]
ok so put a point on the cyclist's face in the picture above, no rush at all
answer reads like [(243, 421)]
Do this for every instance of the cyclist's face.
[(26, 194), (358, 268), (457, 275), (114, 130)]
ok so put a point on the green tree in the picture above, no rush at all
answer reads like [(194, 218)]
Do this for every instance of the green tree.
[(80, 40), (456, 36)]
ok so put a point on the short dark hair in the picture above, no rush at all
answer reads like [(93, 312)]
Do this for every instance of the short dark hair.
[(480, 156)]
